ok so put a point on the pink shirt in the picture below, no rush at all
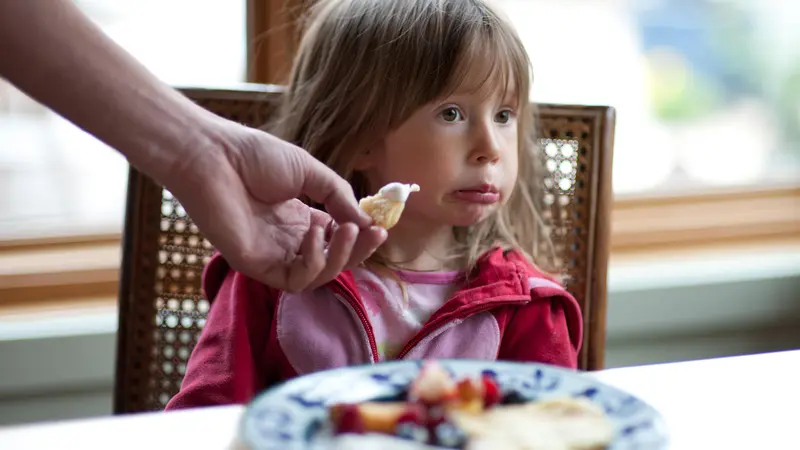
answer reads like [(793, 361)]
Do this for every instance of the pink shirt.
[(395, 319)]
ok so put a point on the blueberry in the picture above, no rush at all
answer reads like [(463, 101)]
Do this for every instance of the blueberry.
[(514, 398), (412, 432), (450, 436)]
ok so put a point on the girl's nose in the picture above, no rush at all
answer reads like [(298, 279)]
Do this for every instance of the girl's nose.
[(486, 146)]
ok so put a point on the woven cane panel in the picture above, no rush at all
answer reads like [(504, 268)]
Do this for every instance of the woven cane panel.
[(566, 150), (566, 194), (560, 163), (168, 320), (180, 305)]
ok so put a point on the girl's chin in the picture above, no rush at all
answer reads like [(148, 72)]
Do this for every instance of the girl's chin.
[(472, 217), (449, 216)]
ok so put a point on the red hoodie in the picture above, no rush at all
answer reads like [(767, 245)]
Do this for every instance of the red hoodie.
[(256, 336)]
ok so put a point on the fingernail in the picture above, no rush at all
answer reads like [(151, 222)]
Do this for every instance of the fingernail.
[(380, 230)]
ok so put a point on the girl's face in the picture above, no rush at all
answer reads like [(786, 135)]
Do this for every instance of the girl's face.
[(461, 150)]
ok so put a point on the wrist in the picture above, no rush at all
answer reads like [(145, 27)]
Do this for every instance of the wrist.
[(178, 145), (186, 163)]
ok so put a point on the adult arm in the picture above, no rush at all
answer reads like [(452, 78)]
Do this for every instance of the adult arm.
[(237, 184)]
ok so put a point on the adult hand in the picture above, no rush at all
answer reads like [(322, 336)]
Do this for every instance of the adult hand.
[(242, 195)]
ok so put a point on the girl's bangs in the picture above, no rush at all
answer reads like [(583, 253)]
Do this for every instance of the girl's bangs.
[(502, 62)]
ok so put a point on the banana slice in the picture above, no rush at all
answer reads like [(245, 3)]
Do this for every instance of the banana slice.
[(387, 205)]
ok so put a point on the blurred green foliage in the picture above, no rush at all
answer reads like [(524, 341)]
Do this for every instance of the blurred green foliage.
[(746, 68)]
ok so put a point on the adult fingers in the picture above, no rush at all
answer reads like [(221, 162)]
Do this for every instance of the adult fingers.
[(342, 241), (324, 186), (309, 263), (368, 241)]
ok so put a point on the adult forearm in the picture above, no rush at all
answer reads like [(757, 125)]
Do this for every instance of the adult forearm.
[(51, 51)]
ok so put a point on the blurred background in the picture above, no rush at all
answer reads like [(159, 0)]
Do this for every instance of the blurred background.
[(707, 150)]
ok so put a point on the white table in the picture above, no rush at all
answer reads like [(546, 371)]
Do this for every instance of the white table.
[(746, 402)]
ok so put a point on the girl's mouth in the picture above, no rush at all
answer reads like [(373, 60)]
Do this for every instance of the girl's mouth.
[(484, 194)]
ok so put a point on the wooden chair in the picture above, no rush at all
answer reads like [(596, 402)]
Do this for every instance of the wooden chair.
[(162, 308)]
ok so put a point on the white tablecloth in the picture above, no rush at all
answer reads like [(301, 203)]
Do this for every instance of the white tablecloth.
[(747, 402)]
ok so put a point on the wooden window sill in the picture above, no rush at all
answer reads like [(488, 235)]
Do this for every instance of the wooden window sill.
[(710, 219), (59, 272), (49, 273)]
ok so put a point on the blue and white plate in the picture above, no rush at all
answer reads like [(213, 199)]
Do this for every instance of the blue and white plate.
[(293, 415)]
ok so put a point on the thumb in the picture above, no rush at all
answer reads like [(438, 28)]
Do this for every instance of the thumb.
[(323, 185)]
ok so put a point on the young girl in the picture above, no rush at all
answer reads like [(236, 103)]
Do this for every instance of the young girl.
[(432, 92)]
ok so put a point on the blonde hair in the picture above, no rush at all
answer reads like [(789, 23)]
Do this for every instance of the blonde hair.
[(364, 67)]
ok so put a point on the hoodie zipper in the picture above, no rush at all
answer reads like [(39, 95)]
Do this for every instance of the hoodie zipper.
[(442, 320), (359, 310)]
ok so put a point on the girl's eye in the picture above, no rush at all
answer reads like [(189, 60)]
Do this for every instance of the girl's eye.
[(451, 115), (503, 116)]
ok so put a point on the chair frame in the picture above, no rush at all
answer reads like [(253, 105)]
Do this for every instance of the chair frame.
[(591, 126)]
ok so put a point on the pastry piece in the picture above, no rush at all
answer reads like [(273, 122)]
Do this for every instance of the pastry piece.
[(387, 205), (562, 424)]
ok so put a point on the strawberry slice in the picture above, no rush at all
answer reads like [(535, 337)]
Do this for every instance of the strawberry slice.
[(491, 391), (413, 414), (347, 419)]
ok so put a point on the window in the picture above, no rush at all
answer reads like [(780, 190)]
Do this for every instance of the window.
[(55, 180), (707, 92), (707, 147)]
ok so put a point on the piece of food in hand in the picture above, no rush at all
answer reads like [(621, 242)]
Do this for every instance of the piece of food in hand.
[(433, 385), (387, 205)]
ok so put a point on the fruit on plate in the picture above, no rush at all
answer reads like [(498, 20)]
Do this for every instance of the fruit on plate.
[(433, 386), (472, 413), (378, 417), (491, 392), (476, 394), (412, 426), (346, 418), (424, 416)]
